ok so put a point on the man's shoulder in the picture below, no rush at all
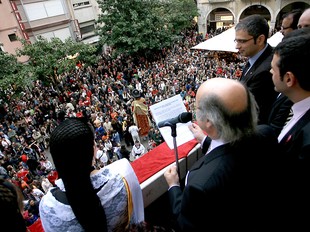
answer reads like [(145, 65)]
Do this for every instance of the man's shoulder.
[(266, 56)]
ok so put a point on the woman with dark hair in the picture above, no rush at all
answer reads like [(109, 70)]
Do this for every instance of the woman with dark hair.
[(86, 199), (11, 207)]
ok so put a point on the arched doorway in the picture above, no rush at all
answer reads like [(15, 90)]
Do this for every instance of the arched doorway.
[(256, 9), (219, 18)]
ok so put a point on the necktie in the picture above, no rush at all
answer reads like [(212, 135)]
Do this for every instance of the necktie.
[(245, 69), (289, 117)]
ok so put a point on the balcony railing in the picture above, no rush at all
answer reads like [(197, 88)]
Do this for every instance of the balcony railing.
[(155, 186), (46, 22)]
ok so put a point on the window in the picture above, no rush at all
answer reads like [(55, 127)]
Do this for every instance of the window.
[(12, 37), (87, 29), (81, 4)]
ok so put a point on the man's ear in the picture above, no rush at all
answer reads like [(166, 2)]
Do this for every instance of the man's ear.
[(290, 79), (260, 39)]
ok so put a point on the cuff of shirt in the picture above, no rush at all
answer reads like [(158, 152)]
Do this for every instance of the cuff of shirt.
[(175, 185)]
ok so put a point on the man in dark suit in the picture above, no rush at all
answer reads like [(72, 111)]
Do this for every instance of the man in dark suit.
[(225, 190), (290, 75), (281, 108), (251, 41), (279, 113)]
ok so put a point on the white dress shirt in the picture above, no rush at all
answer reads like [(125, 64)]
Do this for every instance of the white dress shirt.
[(299, 109)]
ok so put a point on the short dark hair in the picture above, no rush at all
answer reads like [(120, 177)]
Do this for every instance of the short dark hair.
[(294, 53), (255, 25), (296, 15)]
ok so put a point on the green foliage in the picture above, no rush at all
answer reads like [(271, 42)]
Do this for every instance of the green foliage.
[(140, 27), (46, 60), (13, 75), (10, 68), (49, 58), (8, 64)]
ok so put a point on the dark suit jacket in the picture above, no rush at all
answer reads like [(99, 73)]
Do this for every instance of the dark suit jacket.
[(296, 143), (225, 189), (259, 80), (279, 113), (295, 148)]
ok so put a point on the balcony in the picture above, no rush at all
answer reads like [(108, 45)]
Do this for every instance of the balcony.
[(155, 186), (46, 23)]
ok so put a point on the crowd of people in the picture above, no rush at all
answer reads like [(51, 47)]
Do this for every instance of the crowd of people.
[(109, 95)]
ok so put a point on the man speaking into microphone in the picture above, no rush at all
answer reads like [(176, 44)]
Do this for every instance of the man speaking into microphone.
[(229, 187)]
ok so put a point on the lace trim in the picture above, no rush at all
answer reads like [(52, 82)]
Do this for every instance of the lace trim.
[(56, 216)]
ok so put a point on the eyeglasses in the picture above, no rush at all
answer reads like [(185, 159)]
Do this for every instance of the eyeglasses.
[(284, 28), (242, 41)]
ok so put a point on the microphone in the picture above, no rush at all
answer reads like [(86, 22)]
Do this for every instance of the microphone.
[(182, 118)]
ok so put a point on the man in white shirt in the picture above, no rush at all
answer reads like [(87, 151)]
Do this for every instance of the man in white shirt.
[(137, 150), (134, 131), (101, 156)]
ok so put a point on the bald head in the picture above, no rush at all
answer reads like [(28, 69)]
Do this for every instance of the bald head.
[(304, 20), (231, 92), (225, 109)]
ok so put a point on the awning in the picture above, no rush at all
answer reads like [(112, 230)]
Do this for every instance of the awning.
[(225, 41)]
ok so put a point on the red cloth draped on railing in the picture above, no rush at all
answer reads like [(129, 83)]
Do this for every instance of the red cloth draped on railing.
[(159, 158)]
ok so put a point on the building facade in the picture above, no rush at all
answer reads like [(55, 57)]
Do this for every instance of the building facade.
[(225, 13), (76, 19), (10, 30), (85, 14), (29, 19)]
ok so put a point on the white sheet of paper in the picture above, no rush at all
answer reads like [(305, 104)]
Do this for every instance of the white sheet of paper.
[(167, 109)]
